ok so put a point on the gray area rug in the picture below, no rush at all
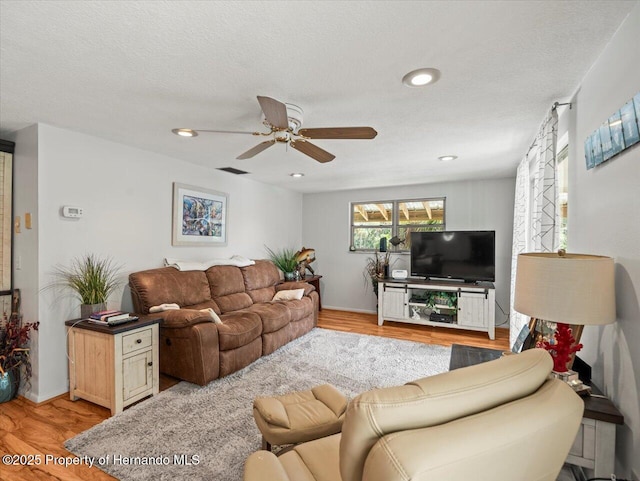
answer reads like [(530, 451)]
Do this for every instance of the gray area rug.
[(189, 432)]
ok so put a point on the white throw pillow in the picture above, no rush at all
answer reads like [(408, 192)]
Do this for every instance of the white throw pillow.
[(289, 295)]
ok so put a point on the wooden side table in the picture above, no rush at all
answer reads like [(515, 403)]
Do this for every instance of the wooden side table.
[(595, 444), (315, 282), (113, 366)]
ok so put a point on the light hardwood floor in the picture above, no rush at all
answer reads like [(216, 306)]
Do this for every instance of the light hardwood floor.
[(41, 429)]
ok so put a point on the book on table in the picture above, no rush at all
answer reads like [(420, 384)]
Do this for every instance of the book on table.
[(109, 315), (114, 320)]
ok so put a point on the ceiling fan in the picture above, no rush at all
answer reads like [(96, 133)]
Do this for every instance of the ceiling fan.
[(284, 122)]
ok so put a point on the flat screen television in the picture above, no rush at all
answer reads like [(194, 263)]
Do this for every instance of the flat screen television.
[(462, 255)]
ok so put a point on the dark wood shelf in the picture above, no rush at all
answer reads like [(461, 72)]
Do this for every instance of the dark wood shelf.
[(127, 326)]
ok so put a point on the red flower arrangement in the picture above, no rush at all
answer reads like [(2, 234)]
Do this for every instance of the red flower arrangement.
[(14, 336)]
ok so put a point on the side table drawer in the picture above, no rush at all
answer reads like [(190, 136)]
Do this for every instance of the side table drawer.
[(136, 340)]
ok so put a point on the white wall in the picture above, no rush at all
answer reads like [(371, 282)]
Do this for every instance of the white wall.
[(471, 205), (126, 194), (604, 218)]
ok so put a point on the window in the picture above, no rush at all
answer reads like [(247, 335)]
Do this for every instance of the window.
[(371, 221), (563, 187)]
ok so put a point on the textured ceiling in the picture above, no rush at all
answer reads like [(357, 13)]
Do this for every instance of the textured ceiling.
[(130, 71)]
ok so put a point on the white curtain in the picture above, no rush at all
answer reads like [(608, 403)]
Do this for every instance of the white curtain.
[(536, 215)]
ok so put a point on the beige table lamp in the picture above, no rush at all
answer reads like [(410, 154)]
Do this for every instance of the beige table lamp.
[(567, 289)]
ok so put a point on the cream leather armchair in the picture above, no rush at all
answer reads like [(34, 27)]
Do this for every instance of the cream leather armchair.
[(501, 420)]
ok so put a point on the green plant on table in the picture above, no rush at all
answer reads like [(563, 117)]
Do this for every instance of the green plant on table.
[(284, 259), (448, 298), (91, 278)]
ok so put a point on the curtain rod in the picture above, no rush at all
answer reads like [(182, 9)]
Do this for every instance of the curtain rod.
[(554, 107), (558, 104)]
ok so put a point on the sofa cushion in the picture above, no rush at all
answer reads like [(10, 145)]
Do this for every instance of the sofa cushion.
[(299, 308), (274, 315), (234, 302), (238, 329), (260, 280), (263, 273), (227, 288), (264, 294), (225, 280), (168, 285)]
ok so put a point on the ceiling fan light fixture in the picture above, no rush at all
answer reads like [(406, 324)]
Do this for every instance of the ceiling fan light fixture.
[(281, 136), (421, 77), (446, 158), (185, 132), (295, 116), (297, 175)]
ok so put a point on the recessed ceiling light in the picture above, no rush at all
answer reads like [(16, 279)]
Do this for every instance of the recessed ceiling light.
[(446, 158), (297, 175), (421, 77), (185, 132)]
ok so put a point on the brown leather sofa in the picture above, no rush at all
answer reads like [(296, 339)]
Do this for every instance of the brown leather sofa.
[(192, 346)]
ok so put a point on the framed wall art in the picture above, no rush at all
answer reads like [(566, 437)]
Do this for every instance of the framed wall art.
[(199, 216), (619, 132), (629, 124)]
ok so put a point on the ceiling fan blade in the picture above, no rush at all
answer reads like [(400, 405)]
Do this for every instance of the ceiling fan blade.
[(256, 150), (339, 133), (275, 112), (228, 131), (312, 151)]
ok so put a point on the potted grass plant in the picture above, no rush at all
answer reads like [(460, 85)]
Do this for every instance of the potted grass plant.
[(376, 268), (286, 260), (91, 279)]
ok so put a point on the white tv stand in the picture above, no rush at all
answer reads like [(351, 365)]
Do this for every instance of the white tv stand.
[(401, 301)]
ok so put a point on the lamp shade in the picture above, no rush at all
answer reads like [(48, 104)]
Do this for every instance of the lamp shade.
[(572, 289)]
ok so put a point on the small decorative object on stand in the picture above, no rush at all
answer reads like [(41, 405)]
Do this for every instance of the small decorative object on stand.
[(305, 257), (563, 347), (395, 241)]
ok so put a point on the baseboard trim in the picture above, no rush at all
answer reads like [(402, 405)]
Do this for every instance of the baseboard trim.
[(361, 311)]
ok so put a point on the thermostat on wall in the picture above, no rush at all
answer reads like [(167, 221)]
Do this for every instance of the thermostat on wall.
[(71, 212)]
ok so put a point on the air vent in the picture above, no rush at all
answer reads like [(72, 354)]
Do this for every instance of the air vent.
[(231, 170)]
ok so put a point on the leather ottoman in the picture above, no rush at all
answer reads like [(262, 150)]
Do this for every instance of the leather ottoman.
[(300, 416)]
